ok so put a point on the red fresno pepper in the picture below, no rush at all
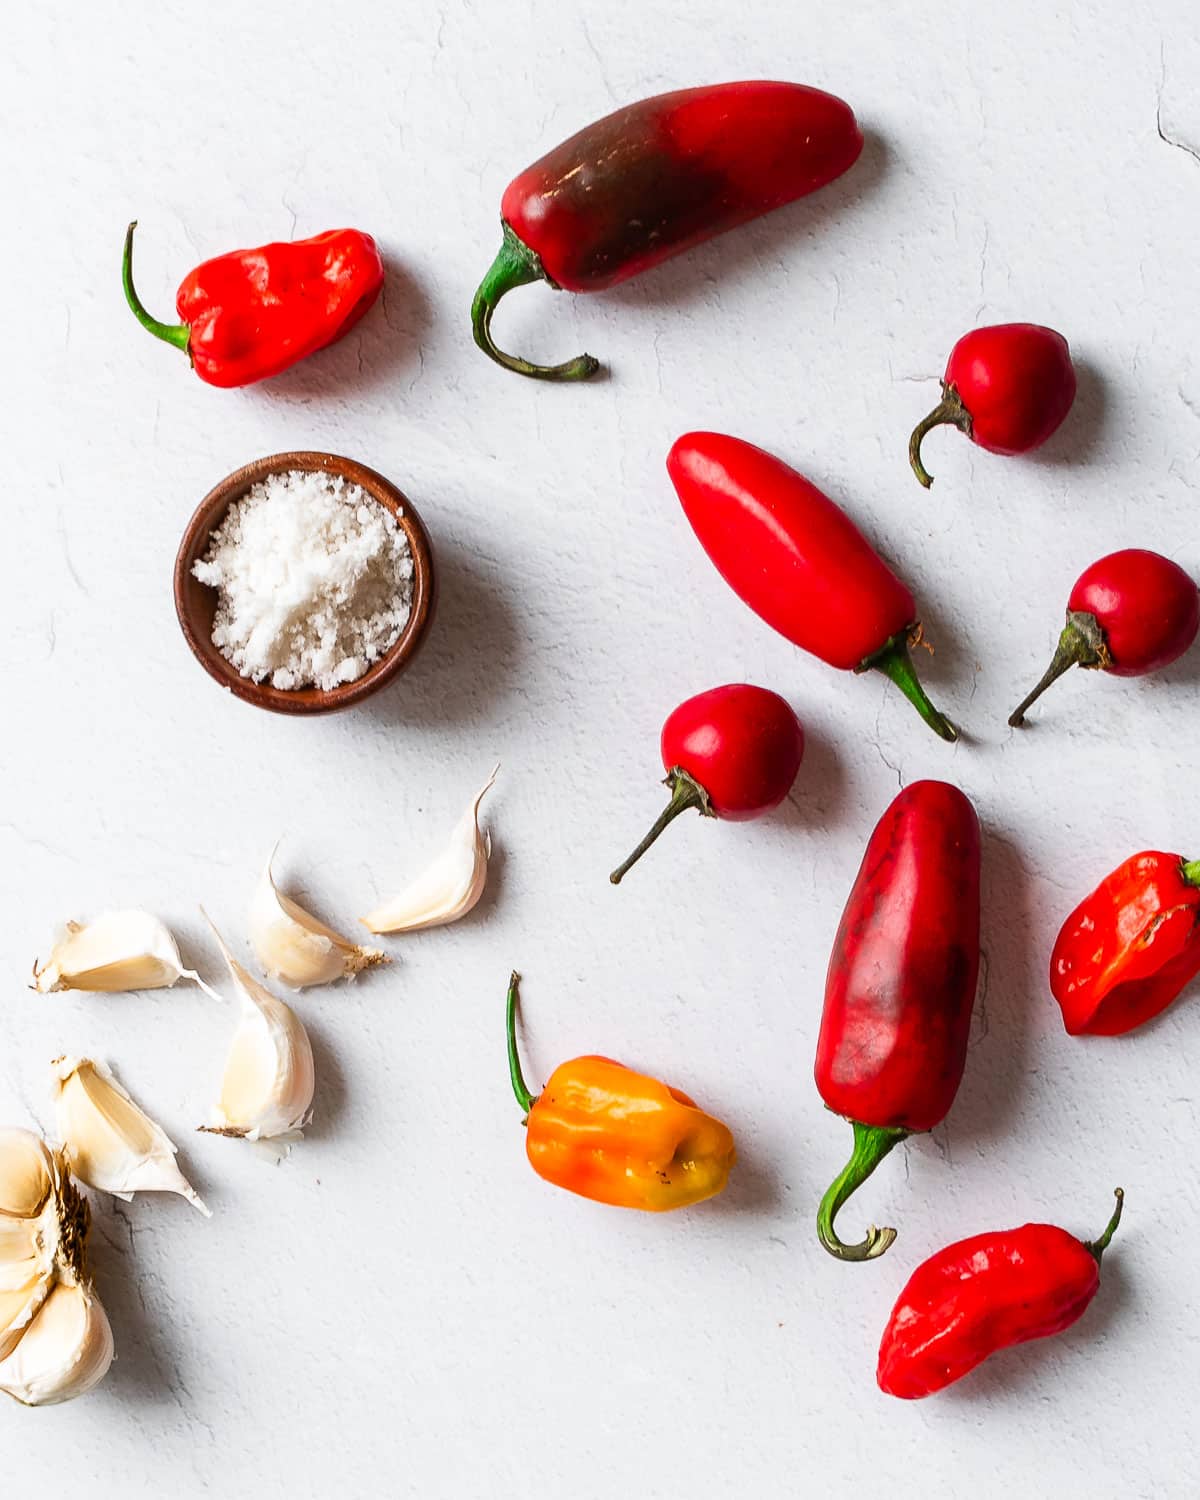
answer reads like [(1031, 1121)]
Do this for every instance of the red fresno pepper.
[(1129, 948), (652, 180), (900, 988), (1130, 613), (799, 561), (983, 1294), (252, 313), (1008, 388)]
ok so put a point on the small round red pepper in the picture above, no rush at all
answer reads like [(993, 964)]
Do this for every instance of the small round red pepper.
[(1129, 948), (1008, 387), (1129, 613), (732, 752), (799, 561), (251, 314), (900, 988), (986, 1293)]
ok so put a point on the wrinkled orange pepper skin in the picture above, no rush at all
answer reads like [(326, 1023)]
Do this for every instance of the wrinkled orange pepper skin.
[(1126, 951), (607, 1133)]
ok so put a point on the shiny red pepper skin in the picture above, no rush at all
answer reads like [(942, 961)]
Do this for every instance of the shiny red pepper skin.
[(1008, 387), (798, 560), (1129, 948), (655, 178), (986, 1293), (901, 987), (251, 314)]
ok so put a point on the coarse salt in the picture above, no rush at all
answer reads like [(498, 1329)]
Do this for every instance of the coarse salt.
[(314, 581)]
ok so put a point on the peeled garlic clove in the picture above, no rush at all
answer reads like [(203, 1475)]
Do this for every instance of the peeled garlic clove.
[(65, 1351), (451, 886), (108, 1141), (26, 1173), (293, 946), (120, 950), (269, 1077)]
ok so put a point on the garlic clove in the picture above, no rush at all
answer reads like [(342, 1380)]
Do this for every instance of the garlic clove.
[(120, 950), (26, 1173), (449, 887), (65, 1351), (18, 1308), (296, 948), (27, 1248), (110, 1143)]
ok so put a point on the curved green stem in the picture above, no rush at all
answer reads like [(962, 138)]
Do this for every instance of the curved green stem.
[(948, 412), (871, 1144), (178, 334), (517, 265), (519, 1087), (1098, 1247), (894, 661), (1191, 872), (685, 793), (1081, 644)]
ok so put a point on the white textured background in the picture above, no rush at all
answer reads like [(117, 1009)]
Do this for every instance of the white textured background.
[(404, 1308)]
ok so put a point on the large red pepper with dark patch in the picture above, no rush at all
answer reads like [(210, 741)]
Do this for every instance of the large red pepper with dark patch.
[(652, 180), (900, 989), (799, 561), (983, 1294), (1129, 948)]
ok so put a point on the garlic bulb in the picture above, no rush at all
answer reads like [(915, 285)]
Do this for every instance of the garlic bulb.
[(108, 1142), (269, 1080), (121, 950), (66, 1350), (293, 946), (451, 886)]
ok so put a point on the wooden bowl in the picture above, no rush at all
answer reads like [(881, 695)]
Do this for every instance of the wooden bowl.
[(196, 602)]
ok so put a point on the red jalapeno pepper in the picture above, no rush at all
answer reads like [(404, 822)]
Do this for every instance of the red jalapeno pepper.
[(1129, 948), (799, 561), (652, 180), (900, 988), (986, 1293), (253, 313)]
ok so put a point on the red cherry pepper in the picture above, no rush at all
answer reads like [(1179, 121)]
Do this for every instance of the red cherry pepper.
[(799, 561), (900, 988), (732, 752), (1007, 387), (986, 1293), (1129, 948), (1130, 613), (652, 180), (252, 313)]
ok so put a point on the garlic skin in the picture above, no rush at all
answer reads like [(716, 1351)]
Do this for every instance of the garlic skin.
[(119, 950), (109, 1143), (66, 1350), (448, 888), (294, 947), (269, 1081)]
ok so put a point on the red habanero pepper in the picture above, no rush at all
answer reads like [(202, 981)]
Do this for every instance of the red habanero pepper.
[(986, 1293), (253, 313), (653, 179), (799, 561), (1008, 388), (900, 988), (1129, 948), (1129, 613), (732, 752)]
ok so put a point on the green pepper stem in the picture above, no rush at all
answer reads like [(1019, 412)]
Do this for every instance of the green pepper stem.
[(1081, 644), (1098, 1247), (1191, 872), (178, 334), (948, 412), (517, 265), (871, 1144), (685, 793), (894, 661), (520, 1089)]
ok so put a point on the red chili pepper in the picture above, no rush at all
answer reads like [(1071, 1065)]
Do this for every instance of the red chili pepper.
[(732, 752), (983, 1294), (1129, 948), (252, 313), (1007, 387), (654, 179), (900, 988), (799, 561), (1130, 613)]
